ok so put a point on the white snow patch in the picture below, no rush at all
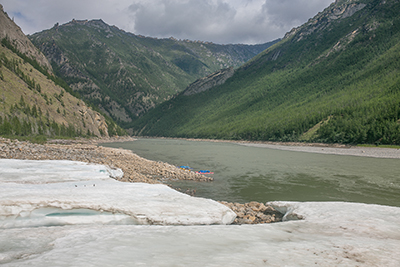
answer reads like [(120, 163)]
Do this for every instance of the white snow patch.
[(53, 171)]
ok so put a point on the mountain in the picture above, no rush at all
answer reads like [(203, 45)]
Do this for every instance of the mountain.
[(124, 74), (32, 102), (336, 78), (11, 31)]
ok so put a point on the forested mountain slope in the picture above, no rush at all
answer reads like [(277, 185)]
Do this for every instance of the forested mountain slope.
[(35, 102), (334, 79), (125, 74)]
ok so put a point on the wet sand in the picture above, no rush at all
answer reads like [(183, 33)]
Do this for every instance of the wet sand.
[(374, 152)]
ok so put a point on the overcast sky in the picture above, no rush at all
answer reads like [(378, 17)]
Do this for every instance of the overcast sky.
[(218, 21)]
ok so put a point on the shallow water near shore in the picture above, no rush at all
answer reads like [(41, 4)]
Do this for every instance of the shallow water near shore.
[(243, 173)]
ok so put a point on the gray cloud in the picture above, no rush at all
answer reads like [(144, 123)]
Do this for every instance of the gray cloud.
[(287, 12), (191, 19), (219, 21)]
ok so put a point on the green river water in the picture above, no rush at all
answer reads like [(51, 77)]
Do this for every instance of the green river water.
[(243, 174)]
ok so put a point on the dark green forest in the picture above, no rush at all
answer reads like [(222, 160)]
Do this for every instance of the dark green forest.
[(337, 77), (125, 74)]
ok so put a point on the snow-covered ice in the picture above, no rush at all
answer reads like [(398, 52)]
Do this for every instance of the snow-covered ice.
[(87, 200), (53, 171), (145, 203), (95, 226)]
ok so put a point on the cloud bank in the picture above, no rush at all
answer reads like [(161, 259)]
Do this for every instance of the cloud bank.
[(219, 21)]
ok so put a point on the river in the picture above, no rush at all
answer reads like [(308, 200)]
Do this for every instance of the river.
[(243, 173)]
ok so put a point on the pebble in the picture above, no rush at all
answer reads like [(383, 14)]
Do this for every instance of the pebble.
[(253, 213), (135, 168)]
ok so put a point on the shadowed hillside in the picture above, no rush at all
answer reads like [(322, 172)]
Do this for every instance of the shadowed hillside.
[(334, 79), (124, 74)]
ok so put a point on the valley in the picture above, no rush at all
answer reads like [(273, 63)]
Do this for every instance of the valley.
[(278, 126), (124, 74), (334, 79)]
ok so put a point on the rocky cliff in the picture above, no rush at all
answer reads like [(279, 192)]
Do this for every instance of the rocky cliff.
[(338, 10), (206, 83)]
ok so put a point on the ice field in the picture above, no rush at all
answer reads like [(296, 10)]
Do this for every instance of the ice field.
[(62, 213)]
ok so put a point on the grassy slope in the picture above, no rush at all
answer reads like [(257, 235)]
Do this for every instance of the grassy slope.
[(280, 98), (63, 109)]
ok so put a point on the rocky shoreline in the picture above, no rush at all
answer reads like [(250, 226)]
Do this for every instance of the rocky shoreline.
[(135, 168), (138, 169)]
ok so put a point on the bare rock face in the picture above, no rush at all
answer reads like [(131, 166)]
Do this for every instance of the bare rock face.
[(95, 121), (10, 30), (338, 10), (206, 83)]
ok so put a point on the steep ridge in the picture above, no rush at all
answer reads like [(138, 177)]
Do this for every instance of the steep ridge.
[(30, 101), (206, 83), (125, 74), (11, 31), (334, 79)]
